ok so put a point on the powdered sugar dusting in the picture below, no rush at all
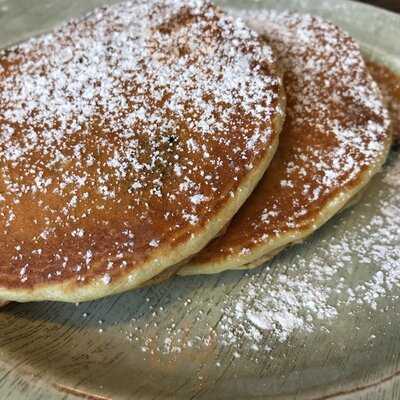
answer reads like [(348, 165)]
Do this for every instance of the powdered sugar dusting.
[(139, 117)]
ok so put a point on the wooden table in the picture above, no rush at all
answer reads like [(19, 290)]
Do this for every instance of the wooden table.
[(393, 5)]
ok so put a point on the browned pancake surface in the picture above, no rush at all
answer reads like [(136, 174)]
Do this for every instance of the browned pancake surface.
[(336, 131), (389, 83), (123, 134)]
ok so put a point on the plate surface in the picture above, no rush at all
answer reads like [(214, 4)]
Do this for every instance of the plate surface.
[(320, 322)]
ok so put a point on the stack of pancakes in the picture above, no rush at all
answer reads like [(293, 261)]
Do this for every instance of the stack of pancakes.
[(151, 139)]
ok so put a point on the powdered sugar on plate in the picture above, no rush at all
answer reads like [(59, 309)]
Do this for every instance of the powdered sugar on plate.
[(351, 264), (348, 263)]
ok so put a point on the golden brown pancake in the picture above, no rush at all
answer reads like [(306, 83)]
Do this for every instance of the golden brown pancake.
[(389, 83), (129, 138), (334, 140)]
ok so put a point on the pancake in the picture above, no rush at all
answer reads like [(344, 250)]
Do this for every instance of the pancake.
[(389, 83), (335, 138), (129, 138)]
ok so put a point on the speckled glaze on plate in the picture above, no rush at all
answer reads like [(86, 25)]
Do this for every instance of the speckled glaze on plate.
[(190, 338)]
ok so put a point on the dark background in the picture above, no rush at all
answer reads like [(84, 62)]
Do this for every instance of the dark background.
[(393, 5)]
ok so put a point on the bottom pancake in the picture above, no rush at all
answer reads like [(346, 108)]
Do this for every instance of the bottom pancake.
[(335, 139), (271, 255), (389, 83)]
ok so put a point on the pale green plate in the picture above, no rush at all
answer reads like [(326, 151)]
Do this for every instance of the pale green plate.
[(322, 322)]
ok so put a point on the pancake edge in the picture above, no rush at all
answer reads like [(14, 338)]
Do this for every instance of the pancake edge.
[(165, 256), (265, 251)]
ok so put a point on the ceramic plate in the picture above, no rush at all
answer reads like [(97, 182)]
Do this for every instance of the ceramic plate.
[(321, 321)]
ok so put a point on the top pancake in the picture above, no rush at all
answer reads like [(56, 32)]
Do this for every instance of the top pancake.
[(334, 139), (128, 139)]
